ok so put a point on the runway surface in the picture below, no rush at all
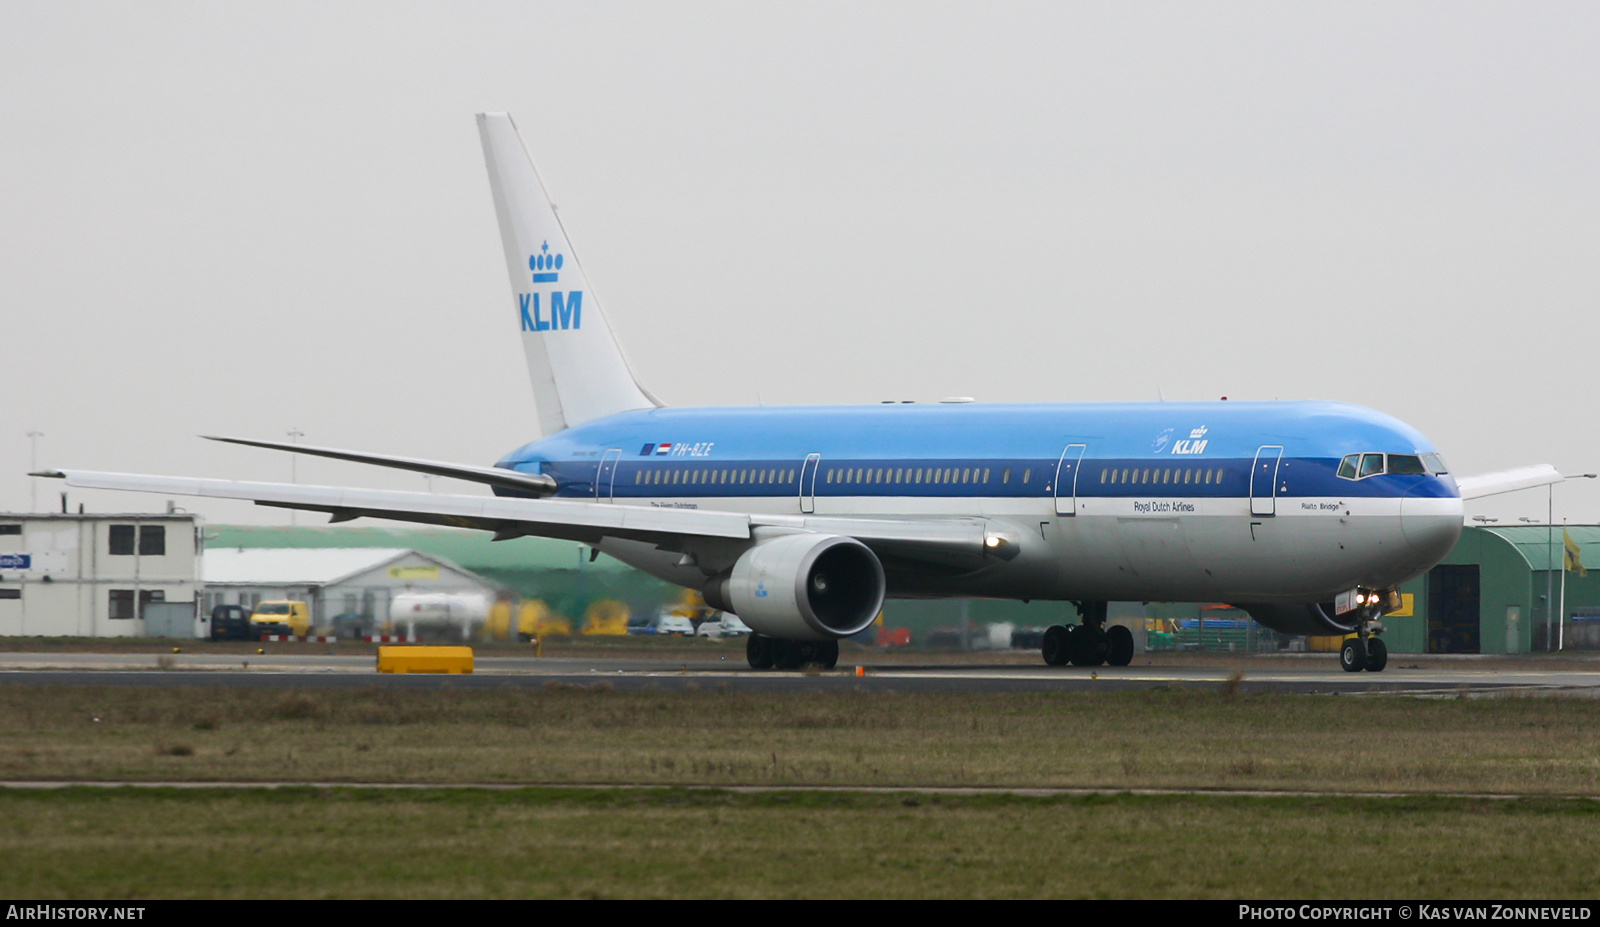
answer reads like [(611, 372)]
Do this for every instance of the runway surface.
[(1319, 674)]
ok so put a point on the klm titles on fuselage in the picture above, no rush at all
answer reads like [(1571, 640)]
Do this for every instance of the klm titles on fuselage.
[(1194, 444)]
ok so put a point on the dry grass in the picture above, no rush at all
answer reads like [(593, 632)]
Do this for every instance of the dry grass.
[(575, 734), (585, 843)]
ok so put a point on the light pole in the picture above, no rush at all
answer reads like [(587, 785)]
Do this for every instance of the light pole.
[(295, 434), (33, 467)]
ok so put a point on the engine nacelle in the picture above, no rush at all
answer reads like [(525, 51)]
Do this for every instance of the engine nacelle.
[(803, 587), (1316, 619)]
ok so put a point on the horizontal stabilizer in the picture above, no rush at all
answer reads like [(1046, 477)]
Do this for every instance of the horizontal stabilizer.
[(536, 483), (1492, 484)]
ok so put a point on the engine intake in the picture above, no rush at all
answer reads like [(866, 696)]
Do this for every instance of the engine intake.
[(803, 587)]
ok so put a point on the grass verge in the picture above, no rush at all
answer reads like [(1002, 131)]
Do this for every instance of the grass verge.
[(570, 734), (84, 843)]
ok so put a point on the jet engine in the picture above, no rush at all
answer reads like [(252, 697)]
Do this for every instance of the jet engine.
[(802, 587), (1317, 619)]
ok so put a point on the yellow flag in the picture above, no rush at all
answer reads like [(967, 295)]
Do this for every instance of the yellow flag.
[(1574, 554)]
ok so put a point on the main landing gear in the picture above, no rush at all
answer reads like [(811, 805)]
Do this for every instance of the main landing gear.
[(1365, 651), (764, 652), (1089, 643)]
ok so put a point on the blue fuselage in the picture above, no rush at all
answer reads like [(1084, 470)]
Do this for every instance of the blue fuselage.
[(1150, 501)]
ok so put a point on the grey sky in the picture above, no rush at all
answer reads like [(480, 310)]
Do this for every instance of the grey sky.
[(241, 218)]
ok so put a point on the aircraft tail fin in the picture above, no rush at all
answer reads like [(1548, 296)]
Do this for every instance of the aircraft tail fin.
[(577, 366)]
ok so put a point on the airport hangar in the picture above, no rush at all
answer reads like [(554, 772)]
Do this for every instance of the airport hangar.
[(122, 575), (344, 588)]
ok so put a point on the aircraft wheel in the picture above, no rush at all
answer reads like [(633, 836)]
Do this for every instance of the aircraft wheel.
[(1353, 656), (1377, 655), (1056, 647), (788, 655), (1119, 645), (758, 651), (826, 654), (1088, 645)]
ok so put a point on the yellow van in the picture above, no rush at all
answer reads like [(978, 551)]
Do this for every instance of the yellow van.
[(288, 618)]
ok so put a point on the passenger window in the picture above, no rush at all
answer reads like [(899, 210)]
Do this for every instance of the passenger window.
[(1347, 466), (1005, 476), (1371, 465), (1027, 475)]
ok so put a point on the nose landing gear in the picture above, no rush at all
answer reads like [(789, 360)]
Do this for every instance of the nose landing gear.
[(1366, 651), (1089, 643)]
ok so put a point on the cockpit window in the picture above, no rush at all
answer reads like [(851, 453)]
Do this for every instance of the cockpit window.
[(1361, 466)]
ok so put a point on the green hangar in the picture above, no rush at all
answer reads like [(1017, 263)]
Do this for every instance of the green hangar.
[(1501, 590)]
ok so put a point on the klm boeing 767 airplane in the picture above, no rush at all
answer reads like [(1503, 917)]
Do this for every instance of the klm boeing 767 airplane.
[(802, 520)]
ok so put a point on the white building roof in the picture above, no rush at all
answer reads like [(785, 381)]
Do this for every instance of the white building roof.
[(292, 566)]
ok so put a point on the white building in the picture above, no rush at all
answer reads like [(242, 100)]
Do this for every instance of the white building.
[(98, 575)]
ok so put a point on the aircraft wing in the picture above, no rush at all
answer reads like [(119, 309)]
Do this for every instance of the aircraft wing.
[(1491, 484), (934, 541)]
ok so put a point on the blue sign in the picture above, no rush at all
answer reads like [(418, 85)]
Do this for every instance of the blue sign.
[(16, 561)]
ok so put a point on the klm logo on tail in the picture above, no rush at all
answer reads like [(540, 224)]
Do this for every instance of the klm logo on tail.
[(566, 309)]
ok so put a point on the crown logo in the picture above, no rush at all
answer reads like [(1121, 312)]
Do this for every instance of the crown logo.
[(1198, 433), (544, 265)]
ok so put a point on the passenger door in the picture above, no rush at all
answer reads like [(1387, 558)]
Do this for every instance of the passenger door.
[(1264, 480), (808, 484), (605, 479), (1066, 485)]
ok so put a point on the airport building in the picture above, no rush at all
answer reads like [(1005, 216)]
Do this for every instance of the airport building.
[(348, 590), (1504, 590), (98, 575)]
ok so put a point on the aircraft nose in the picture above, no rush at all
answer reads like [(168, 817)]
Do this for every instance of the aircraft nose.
[(1431, 522)]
